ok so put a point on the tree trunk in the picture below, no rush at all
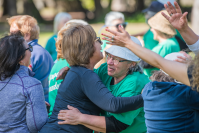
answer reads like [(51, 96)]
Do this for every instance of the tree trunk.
[(30, 9), (10, 7), (98, 9), (140, 5)]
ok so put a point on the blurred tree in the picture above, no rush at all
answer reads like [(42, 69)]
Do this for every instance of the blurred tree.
[(98, 9), (30, 9), (10, 7)]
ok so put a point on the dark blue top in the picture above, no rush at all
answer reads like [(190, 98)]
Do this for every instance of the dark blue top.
[(170, 107), (83, 89), (42, 63)]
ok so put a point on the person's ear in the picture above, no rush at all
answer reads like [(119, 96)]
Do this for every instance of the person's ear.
[(22, 63)]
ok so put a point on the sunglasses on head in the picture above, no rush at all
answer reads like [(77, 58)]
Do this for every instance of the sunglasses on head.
[(99, 40), (30, 48), (123, 24)]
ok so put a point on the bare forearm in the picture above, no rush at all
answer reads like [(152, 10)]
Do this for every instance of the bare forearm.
[(176, 70), (145, 54), (96, 123), (188, 35)]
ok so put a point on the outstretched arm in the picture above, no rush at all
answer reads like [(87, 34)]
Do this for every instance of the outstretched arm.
[(175, 69)]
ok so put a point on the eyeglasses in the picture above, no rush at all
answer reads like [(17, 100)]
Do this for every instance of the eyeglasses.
[(30, 48), (115, 60), (99, 40), (123, 24)]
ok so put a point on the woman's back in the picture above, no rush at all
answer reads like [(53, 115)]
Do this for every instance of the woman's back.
[(170, 107), (73, 92), (19, 107)]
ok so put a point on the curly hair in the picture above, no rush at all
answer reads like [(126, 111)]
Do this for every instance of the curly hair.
[(160, 76), (12, 51), (195, 73), (26, 24)]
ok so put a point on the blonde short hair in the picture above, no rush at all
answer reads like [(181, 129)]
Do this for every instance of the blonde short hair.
[(78, 44), (61, 32), (26, 24)]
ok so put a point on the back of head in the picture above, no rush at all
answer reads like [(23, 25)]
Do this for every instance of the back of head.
[(12, 51), (160, 23), (78, 44), (113, 16), (61, 32), (58, 18), (26, 24), (161, 76)]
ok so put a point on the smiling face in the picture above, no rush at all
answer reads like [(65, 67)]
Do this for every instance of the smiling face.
[(120, 69)]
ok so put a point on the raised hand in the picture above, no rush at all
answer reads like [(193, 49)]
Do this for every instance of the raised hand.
[(176, 18), (121, 38)]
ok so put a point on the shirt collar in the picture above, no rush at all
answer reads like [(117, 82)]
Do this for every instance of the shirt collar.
[(27, 70), (33, 42)]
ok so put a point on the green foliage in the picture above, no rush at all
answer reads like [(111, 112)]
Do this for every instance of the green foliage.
[(135, 18), (88, 5)]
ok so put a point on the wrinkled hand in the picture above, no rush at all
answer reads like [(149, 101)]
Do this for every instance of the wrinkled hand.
[(121, 38), (70, 116), (185, 59), (177, 19), (62, 73)]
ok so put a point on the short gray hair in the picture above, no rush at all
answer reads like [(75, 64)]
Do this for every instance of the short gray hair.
[(112, 16), (58, 18), (136, 68), (79, 21)]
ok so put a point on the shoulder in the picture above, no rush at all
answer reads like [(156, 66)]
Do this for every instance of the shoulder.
[(39, 53)]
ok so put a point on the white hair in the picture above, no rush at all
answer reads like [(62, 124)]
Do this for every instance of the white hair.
[(112, 16), (78, 21), (60, 16)]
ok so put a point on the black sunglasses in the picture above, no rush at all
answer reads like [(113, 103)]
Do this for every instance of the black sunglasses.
[(123, 24), (30, 48), (99, 40)]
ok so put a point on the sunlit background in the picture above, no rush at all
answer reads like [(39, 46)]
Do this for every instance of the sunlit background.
[(93, 11)]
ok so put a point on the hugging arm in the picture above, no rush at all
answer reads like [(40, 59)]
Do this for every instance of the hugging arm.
[(97, 123), (97, 92)]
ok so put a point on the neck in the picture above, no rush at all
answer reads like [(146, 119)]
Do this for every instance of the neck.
[(91, 64), (161, 39), (118, 79)]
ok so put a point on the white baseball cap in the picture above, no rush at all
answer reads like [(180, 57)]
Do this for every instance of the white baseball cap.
[(124, 52)]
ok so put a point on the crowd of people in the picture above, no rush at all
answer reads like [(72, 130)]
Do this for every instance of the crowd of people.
[(81, 84)]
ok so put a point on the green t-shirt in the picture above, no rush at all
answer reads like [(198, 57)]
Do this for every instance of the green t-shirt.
[(131, 85), (51, 47), (53, 83), (164, 48), (149, 42)]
